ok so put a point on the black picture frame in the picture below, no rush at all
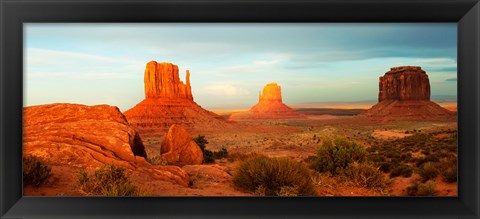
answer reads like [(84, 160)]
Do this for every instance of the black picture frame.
[(13, 13)]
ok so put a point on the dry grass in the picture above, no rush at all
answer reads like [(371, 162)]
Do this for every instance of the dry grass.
[(274, 177)]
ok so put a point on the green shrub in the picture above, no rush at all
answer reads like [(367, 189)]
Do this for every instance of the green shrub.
[(259, 174), (365, 175), (428, 171), (209, 156), (402, 170), (108, 180), (422, 189), (337, 154), (222, 153), (35, 172), (201, 141)]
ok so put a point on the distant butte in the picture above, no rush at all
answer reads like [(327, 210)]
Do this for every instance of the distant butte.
[(269, 106), (404, 93), (169, 101)]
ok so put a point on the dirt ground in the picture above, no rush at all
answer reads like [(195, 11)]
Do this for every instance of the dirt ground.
[(299, 139)]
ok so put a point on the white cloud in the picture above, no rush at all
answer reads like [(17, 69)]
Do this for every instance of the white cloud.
[(436, 61), (225, 90)]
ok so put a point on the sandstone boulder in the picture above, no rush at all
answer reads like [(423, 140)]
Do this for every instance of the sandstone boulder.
[(179, 148)]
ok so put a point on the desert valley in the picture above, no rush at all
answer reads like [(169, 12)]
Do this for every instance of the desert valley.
[(168, 145)]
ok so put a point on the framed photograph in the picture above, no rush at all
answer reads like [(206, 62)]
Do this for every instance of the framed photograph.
[(239, 109)]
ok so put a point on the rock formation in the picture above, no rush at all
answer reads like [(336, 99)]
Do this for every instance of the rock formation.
[(70, 137), (404, 93), (404, 83), (169, 101), (269, 106), (178, 147), (162, 81)]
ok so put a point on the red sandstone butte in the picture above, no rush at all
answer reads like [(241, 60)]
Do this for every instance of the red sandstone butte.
[(269, 106), (178, 147), (404, 93), (169, 101)]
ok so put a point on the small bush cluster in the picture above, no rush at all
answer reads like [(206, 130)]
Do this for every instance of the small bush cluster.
[(422, 189), (337, 154), (209, 156), (108, 180), (401, 170), (273, 177), (365, 175), (428, 171), (35, 172)]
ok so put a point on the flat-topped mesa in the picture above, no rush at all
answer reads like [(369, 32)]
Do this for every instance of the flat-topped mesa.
[(162, 81), (404, 94), (271, 92), (404, 83)]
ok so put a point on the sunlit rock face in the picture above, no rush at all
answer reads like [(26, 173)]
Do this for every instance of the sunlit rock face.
[(178, 148), (162, 81), (73, 137), (168, 101), (269, 106), (404, 94)]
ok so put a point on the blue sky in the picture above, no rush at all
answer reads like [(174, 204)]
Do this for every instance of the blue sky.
[(229, 63)]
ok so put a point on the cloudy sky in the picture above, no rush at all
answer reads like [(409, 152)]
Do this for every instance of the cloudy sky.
[(229, 63)]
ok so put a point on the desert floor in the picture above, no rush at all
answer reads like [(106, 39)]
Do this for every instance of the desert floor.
[(300, 139)]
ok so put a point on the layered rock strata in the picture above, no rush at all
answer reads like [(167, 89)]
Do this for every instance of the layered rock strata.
[(169, 101), (404, 93), (71, 137)]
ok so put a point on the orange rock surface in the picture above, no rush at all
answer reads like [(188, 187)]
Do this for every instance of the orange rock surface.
[(179, 148), (404, 93), (169, 101), (269, 106), (71, 137), (162, 81)]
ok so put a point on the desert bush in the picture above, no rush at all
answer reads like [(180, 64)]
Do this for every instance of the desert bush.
[(450, 175), (209, 156), (365, 175), (423, 189), (401, 170), (337, 154), (108, 180), (35, 172), (272, 174), (222, 153), (428, 171), (201, 141)]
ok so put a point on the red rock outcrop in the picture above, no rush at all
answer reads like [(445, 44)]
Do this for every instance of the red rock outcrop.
[(404, 83), (404, 93), (169, 101), (178, 147), (269, 106), (162, 81), (70, 137)]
